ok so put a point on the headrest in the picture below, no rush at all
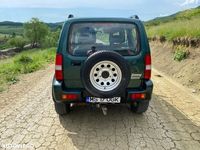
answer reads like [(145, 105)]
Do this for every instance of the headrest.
[(117, 37), (87, 35)]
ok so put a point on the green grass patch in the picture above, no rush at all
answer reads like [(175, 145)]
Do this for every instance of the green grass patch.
[(179, 28), (182, 24), (23, 63), (181, 53)]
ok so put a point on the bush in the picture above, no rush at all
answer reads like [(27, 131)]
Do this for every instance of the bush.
[(24, 59), (180, 53), (26, 64), (11, 78), (18, 42), (51, 40)]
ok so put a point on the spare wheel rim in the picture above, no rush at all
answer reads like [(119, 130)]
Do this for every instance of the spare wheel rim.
[(105, 76)]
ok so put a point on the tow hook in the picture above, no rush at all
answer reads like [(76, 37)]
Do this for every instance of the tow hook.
[(104, 109)]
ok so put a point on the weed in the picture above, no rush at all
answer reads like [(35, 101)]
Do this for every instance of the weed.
[(1, 89), (23, 59), (180, 53)]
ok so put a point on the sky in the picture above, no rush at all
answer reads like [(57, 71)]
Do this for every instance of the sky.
[(58, 10)]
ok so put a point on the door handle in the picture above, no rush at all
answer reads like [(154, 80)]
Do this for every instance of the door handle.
[(75, 63)]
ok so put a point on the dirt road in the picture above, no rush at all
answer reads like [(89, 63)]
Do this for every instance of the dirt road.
[(28, 120)]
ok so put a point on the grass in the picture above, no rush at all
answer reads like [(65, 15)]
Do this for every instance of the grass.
[(179, 28), (181, 24), (23, 63)]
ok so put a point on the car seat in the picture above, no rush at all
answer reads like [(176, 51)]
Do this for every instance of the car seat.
[(85, 40)]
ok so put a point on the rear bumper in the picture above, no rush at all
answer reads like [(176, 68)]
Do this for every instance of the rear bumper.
[(58, 90)]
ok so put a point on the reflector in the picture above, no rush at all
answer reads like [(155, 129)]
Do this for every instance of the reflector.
[(70, 96), (136, 96)]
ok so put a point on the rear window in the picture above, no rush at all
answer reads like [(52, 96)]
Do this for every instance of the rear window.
[(119, 37)]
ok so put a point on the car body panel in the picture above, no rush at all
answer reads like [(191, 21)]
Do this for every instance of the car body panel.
[(59, 90), (72, 64)]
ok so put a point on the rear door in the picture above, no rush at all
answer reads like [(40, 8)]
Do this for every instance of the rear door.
[(128, 39)]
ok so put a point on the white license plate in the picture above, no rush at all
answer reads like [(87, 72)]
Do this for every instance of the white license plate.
[(103, 100)]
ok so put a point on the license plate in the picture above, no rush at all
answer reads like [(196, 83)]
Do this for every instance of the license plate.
[(103, 100)]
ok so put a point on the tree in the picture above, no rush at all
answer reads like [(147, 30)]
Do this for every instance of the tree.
[(13, 35), (51, 40), (36, 31)]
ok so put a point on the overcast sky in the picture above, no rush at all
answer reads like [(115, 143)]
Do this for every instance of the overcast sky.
[(57, 10)]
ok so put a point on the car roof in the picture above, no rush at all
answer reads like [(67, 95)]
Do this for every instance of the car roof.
[(131, 20)]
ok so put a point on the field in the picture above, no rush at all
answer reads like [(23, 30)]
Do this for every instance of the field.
[(182, 24), (24, 62), (18, 30)]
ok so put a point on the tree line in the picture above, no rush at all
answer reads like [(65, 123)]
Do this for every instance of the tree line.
[(37, 34)]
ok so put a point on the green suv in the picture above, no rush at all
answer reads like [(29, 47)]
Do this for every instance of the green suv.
[(102, 61)]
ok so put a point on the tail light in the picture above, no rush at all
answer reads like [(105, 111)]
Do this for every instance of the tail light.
[(147, 72), (58, 67)]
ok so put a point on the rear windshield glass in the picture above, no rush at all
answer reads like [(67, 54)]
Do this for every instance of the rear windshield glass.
[(119, 37)]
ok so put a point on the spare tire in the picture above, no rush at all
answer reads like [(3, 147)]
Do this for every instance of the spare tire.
[(105, 74)]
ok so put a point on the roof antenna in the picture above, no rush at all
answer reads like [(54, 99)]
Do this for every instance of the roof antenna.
[(134, 17), (71, 16)]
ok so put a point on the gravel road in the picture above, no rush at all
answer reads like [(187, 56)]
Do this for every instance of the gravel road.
[(28, 120)]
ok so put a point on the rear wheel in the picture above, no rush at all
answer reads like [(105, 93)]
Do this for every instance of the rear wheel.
[(61, 108), (140, 107)]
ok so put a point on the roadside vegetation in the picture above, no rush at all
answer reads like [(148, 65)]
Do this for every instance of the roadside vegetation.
[(34, 32), (181, 29), (23, 63), (41, 40), (181, 53), (183, 24), (176, 29), (18, 42)]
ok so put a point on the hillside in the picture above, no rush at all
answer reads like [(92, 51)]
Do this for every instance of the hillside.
[(187, 14), (182, 31), (182, 24)]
